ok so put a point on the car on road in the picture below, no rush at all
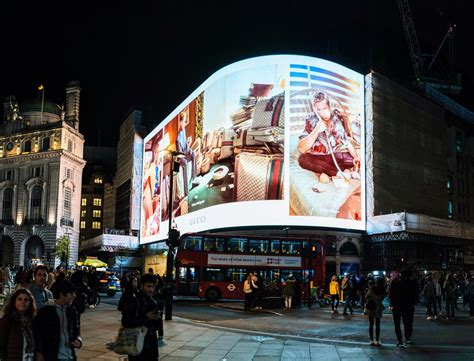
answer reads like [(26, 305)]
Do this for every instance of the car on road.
[(109, 283)]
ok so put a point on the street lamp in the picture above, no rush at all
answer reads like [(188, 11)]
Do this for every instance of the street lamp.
[(173, 238)]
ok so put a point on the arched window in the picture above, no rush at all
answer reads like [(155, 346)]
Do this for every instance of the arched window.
[(67, 203), (35, 203), (348, 249), (27, 146), (7, 206), (45, 143)]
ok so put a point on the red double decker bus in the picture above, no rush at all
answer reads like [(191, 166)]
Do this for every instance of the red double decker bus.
[(215, 266)]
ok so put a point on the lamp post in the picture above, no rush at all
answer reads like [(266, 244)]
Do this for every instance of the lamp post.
[(172, 242)]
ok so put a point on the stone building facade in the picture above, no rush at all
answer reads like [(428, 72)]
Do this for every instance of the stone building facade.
[(41, 164)]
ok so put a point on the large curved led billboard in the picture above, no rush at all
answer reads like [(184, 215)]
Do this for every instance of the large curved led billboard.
[(268, 141)]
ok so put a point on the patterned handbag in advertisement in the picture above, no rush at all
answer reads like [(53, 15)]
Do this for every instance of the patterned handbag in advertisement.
[(226, 143), (269, 112), (242, 139), (267, 135), (258, 177)]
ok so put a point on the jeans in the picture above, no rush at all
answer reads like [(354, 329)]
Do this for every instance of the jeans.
[(349, 300), (377, 328), (450, 305), (334, 298), (431, 306)]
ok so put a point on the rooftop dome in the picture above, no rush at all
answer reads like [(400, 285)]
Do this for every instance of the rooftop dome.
[(34, 105)]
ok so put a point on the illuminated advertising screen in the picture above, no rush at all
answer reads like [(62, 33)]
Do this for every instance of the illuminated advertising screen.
[(268, 141)]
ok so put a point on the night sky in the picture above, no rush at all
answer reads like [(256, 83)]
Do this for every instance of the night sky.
[(151, 56)]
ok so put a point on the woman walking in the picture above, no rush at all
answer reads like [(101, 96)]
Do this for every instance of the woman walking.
[(374, 308), (334, 292), (17, 342)]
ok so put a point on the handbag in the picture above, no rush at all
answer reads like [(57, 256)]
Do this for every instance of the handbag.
[(269, 112), (130, 340), (258, 177)]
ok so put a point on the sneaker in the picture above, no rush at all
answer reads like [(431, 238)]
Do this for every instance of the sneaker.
[(401, 344), (372, 343), (408, 341), (377, 343), (429, 318)]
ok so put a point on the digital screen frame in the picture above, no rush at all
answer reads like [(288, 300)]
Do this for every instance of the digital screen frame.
[(268, 141)]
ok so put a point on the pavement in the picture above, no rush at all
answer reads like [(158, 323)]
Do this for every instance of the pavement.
[(186, 340)]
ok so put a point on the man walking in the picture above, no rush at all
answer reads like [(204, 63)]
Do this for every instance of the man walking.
[(56, 327), (38, 288), (402, 294), (429, 293)]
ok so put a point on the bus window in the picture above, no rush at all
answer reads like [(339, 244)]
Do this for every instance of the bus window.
[(236, 275), (193, 243), (237, 245), (258, 246), (213, 244), (291, 247), (214, 275), (275, 246)]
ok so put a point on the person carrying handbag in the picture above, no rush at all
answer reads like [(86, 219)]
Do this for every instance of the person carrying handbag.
[(142, 311)]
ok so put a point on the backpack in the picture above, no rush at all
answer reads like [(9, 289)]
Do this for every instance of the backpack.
[(370, 305)]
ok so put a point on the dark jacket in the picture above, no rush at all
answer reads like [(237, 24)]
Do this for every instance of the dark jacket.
[(134, 315), (403, 294), (11, 339), (47, 328)]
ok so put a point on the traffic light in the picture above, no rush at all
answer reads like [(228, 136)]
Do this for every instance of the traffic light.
[(173, 238)]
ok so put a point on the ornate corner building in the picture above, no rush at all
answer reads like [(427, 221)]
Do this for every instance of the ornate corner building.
[(41, 164)]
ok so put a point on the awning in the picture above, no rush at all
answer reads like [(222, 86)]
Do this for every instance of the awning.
[(94, 262)]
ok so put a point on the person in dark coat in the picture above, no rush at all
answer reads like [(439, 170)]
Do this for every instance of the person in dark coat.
[(142, 310), (403, 295), (259, 292), (349, 294), (93, 283), (56, 327), (16, 328), (374, 308)]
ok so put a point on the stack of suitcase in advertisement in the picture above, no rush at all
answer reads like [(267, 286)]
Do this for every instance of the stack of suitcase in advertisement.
[(259, 145)]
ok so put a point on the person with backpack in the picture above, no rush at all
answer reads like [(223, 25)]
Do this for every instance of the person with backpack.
[(450, 293), (374, 308)]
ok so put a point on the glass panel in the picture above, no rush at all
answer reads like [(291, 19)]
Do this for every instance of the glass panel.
[(214, 244), (275, 246), (237, 245), (214, 275), (291, 247), (193, 243), (7, 204), (236, 275), (258, 246)]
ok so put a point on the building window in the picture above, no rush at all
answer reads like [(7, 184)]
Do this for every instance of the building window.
[(45, 144), (69, 145), (36, 172), (95, 225), (83, 214), (83, 224), (98, 180), (449, 184), (67, 203), (450, 209), (7, 205), (97, 202), (96, 213), (68, 173), (35, 203), (7, 175), (84, 202), (27, 146), (459, 142)]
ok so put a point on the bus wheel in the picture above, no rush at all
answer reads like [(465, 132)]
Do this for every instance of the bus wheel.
[(213, 294)]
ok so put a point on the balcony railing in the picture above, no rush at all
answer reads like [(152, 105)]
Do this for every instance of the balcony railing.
[(7, 222), (65, 222), (34, 221)]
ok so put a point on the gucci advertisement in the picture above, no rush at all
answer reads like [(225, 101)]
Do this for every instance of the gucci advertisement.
[(228, 147)]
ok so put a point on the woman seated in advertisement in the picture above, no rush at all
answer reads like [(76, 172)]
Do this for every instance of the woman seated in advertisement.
[(327, 131), (151, 193)]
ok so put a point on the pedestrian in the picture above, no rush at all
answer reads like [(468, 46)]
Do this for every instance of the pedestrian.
[(159, 297), (289, 290), (93, 283), (248, 292), (429, 293), (21, 278), (403, 295), (142, 310), (469, 290), (82, 290), (130, 290), (55, 286), (374, 308), (17, 342), (258, 292), (334, 292), (450, 293), (362, 284), (349, 294), (439, 295), (57, 328), (38, 289)]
